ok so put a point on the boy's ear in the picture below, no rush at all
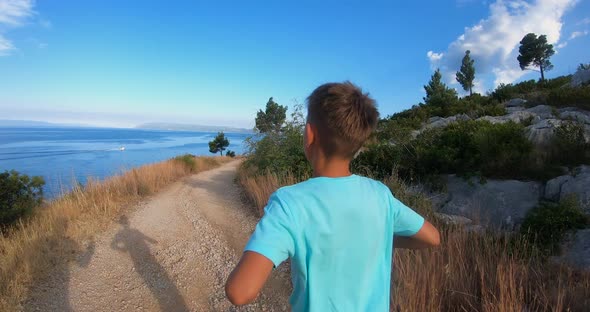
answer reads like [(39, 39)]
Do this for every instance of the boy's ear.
[(309, 135)]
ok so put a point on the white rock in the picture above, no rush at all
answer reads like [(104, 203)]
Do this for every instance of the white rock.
[(515, 102), (493, 202)]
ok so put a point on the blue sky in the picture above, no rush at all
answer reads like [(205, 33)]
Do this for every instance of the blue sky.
[(121, 63)]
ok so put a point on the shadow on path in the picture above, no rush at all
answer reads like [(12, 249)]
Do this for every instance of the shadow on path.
[(154, 275), (55, 295)]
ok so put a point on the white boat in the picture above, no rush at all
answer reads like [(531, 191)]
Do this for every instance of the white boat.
[(122, 148)]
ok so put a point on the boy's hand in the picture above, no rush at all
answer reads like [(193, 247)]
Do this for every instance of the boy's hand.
[(247, 279), (428, 236)]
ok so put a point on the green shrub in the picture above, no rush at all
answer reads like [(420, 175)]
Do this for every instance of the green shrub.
[(505, 92), (19, 195), (503, 149), (230, 153), (187, 159), (568, 145), (557, 82), (377, 161), (570, 97), (281, 151), (548, 223), (474, 148)]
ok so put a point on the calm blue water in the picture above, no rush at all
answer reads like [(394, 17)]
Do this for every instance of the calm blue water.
[(65, 155)]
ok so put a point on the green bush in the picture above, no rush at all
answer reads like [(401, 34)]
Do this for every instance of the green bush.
[(19, 195), (548, 223), (557, 82), (230, 153), (472, 148), (280, 151), (466, 148), (377, 161), (568, 145), (570, 97), (187, 159), (505, 92)]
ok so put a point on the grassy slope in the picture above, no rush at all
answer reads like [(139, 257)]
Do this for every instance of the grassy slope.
[(32, 247)]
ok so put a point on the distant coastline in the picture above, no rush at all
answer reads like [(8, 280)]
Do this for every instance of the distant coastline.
[(162, 126), (190, 127)]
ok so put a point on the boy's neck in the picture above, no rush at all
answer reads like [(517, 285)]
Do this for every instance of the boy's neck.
[(332, 168)]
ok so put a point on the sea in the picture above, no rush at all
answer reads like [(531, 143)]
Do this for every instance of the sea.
[(66, 156)]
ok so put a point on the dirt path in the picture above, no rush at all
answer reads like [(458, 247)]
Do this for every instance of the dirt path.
[(172, 254)]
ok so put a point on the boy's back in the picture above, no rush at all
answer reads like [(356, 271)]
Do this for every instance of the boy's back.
[(337, 228), (339, 234)]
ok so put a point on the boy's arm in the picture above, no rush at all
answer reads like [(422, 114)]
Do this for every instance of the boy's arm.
[(248, 278), (427, 236), (271, 243)]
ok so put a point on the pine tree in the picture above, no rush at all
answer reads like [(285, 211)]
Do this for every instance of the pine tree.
[(218, 144), (438, 95), (272, 119), (535, 51), (466, 75)]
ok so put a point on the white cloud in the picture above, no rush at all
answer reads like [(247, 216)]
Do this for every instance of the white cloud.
[(585, 21), (5, 46), (434, 57), (13, 13), (577, 34), (494, 41), (562, 45)]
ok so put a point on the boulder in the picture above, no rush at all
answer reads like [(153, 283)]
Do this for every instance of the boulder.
[(575, 114), (493, 119), (438, 122), (580, 78), (453, 219), (496, 203), (514, 109), (516, 116), (553, 187), (515, 102), (540, 133), (543, 111), (577, 252), (579, 185)]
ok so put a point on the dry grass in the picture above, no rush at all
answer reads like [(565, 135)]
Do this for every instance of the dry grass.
[(53, 233), (484, 272), (470, 271), (259, 187)]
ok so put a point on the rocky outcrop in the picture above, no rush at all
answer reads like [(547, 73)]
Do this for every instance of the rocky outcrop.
[(515, 103), (577, 184), (541, 133), (580, 78), (495, 203), (439, 122), (452, 219), (570, 113)]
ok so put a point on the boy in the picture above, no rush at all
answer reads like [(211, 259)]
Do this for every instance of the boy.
[(337, 228)]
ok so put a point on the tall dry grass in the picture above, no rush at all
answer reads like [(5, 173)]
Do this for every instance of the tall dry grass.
[(258, 187), (55, 232), (470, 271)]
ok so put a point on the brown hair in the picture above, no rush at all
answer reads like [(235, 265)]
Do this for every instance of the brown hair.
[(344, 116)]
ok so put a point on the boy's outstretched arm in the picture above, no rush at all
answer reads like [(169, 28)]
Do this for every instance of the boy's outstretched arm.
[(426, 237), (248, 278)]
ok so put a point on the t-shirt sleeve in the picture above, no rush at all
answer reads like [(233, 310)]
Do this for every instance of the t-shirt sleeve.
[(406, 222), (274, 233)]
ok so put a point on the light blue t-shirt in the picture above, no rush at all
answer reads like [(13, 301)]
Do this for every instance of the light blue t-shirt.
[(338, 233)]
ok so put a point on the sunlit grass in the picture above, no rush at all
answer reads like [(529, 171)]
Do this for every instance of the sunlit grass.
[(34, 245)]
